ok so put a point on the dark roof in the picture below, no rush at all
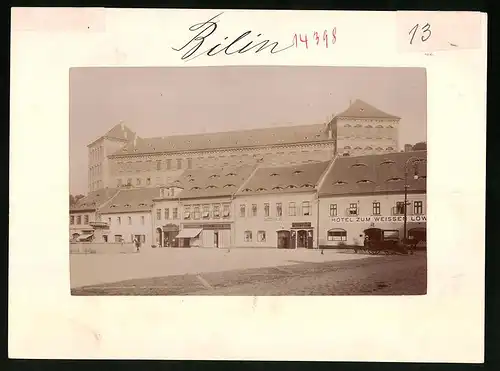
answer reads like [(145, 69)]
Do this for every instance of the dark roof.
[(132, 200), (374, 174), (360, 109), (231, 139), (213, 183), (94, 199), (285, 179)]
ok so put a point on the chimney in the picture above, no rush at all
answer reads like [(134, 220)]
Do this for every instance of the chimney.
[(122, 124), (135, 141)]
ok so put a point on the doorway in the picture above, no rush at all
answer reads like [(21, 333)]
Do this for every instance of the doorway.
[(185, 242), (216, 239), (302, 239), (158, 237), (283, 239)]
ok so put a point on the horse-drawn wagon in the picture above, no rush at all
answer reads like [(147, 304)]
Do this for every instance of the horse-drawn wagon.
[(383, 241)]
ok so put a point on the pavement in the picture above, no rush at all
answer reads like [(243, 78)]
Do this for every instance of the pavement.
[(334, 273), (92, 269)]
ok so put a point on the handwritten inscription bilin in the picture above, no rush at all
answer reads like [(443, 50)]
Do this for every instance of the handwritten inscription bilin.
[(206, 29)]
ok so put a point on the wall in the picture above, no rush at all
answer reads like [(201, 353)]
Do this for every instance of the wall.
[(364, 133), (146, 166), (160, 222), (272, 223), (355, 225), (126, 230), (101, 248)]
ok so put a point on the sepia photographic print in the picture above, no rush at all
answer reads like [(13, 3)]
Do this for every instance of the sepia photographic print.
[(248, 181)]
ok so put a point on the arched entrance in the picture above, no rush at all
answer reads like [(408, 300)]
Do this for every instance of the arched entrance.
[(284, 240), (159, 237)]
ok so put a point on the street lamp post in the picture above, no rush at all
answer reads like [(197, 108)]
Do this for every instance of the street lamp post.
[(411, 161)]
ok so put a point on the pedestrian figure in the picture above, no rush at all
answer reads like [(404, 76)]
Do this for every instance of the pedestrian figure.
[(137, 244)]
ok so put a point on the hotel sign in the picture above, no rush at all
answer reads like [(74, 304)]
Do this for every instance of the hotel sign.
[(304, 225), (380, 219)]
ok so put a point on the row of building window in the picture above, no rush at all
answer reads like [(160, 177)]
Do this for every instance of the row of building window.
[(398, 209), (78, 219), (175, 214), (168, 164), (305, 209), (261, 236), (96, 154), (129, 219), (96, 185), (206, 211)]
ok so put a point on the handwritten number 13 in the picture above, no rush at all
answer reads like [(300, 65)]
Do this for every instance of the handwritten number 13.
[(426, 32)]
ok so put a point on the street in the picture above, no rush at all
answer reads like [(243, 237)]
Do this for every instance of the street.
[(381, 275)]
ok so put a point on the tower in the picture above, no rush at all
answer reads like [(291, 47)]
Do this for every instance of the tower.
[(99, 149)]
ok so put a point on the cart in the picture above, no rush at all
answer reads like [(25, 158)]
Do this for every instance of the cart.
[(382, 241)]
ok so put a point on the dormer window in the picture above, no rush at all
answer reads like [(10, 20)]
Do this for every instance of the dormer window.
[(195, 188), (229, 185), (296, 172), (231, 174), (379, 148), (191, 180), (347, 147), (390, 148), (274, 174), (112, 206), (364, 181), (387, 162), (358, 126), (368, 126), (379, 127), (395, 179), (260, 189), (277, 188), (142, 204), (214, 176), (247, 190), (358, 148), (358, 164), (390, 127), (127, 205), (211, 187), (369, 148), (307, 185), (340, 182), (291, 186), (347, 126)]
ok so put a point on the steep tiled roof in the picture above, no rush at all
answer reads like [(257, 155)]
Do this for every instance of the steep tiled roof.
[(374, 174), (94, 199), (231, 139), (132, 200), (360, 109), (285, 179), (120, 131), (213, 183)]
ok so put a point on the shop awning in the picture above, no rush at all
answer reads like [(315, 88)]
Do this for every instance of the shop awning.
[(85, 236), (189, 233)]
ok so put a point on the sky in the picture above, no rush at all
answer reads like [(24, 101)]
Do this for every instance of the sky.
[(163, 101)]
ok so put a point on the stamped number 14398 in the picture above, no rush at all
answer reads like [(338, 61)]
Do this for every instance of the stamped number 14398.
[(325, 38)]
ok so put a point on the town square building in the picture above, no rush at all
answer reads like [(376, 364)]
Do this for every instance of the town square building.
[(128, 216), (196, 209), (84, 216), (277, 207), (359, 193), (122, 158)]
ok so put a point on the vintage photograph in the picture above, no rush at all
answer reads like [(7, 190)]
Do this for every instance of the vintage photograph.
[(248, 180)]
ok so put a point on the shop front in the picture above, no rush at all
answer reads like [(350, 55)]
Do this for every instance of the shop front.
[(300, 235), (214, 235), (170, 233)]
